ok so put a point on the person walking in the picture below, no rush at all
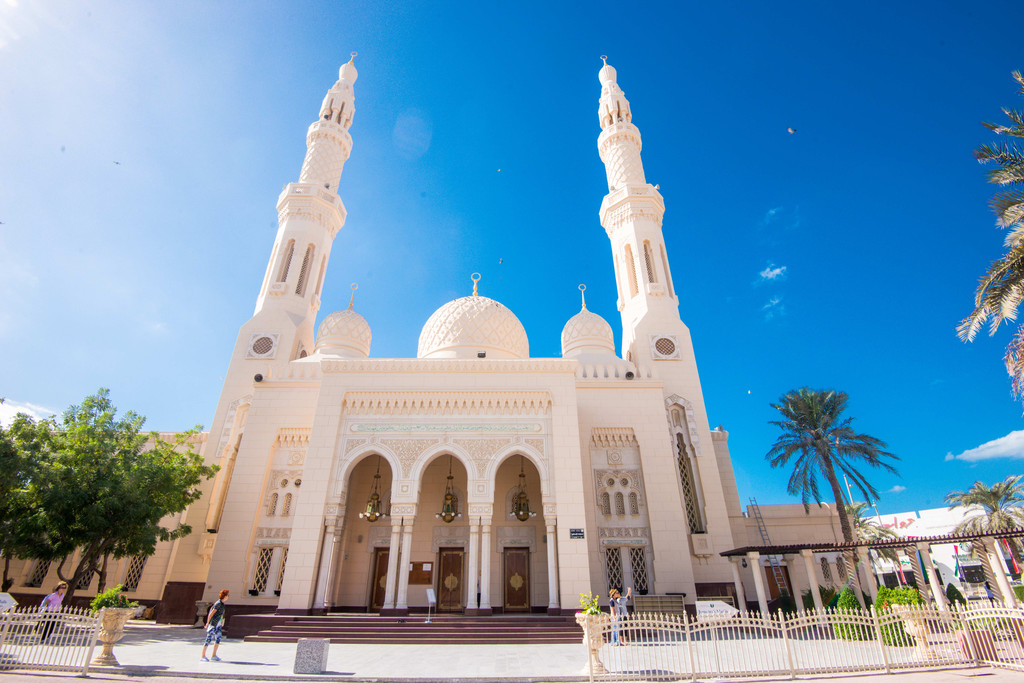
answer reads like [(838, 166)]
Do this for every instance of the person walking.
[(215, 626), (51, 603), (617, 606)]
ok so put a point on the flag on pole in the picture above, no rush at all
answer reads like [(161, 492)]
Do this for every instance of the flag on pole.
[(956, 554)]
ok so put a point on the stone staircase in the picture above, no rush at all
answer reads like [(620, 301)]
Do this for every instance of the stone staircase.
[(443, 629)]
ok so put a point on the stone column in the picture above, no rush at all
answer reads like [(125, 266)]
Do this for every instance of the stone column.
[(474, 567), (812, 578), (934, 582), (485, 566), (754, 560), (866, 572), (553, 607), (741, 596), (334, 568), (402, 601), (389, 590), (794, 581), (995, 560), (324, 572)]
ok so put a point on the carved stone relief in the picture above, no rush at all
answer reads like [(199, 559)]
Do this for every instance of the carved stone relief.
[(481, 450), (450, 537), (407, 450), (517, 537)]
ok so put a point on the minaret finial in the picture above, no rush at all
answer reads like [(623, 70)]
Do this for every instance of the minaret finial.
[(604, 58), (352, 59), (583, 296), (355, 286), (475, 277)]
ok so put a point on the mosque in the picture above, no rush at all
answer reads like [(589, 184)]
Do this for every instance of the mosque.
[(473, 478)]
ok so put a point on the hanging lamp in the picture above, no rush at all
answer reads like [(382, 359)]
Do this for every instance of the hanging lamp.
[(521, 502), (450, 504), (373, 510)]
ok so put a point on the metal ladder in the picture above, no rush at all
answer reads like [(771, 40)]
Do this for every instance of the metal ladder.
[(773, 560)]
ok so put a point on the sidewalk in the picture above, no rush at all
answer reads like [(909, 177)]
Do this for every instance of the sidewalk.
[(172, 654)]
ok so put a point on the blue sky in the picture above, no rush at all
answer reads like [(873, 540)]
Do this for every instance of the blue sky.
[(143, 145)]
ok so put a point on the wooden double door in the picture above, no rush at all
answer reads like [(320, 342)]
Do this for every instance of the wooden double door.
[(449, 579), (516, 564), (380, 579)]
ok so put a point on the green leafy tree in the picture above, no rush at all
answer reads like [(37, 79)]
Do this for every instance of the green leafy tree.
[(999, 507), (16, 470), (1001, 289), (818, 442), (103, 486)]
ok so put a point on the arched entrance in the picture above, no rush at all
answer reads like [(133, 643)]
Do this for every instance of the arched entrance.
[(520, 552)]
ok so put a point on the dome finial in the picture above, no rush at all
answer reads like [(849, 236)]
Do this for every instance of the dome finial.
[(355, 286), (475, 277), (604, 58), (352, 59), (583, 296)]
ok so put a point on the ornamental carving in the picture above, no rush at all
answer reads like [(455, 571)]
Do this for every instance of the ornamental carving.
[(293, 437), (481, 450), (407, 510), (480, 510), (296, 457), (536, 444), (272, 534), (447, 403), (623, 532), (450, 537), (613, 437), (407, 450), (517, 537), (353, 444)]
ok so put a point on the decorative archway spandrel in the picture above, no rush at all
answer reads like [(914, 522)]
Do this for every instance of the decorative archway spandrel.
[(407, 450), (481, 451)]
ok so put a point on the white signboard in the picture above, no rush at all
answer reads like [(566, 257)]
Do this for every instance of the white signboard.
[(712, 610), (431, 598), (7, 602)]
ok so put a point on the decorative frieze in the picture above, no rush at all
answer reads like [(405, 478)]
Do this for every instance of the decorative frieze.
[(613, 437), (273, 535), (526, 366), (483, 403), (293, 437), (516, 537), (406, 510), (535, 444), (443, 427), (407, 450), (450, 537), (623, 535)]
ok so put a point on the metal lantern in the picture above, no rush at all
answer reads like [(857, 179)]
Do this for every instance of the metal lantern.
[(373, 510), (450, 504), (521, 502)]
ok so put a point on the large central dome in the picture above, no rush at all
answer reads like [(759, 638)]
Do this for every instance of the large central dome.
[(465, 327)]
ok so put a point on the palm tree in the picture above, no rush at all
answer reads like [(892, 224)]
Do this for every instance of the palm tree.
[(820, 441), (1001, 289), (867, 529), (999, 507)]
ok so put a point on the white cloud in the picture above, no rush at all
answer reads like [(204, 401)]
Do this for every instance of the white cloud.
[(773, 272), (897, 489), (1009, 446), (769, 215), (773, 308), (8, 409)]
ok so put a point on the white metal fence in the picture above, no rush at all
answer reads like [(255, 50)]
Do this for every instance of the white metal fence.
[(48, 641), (668, 647)]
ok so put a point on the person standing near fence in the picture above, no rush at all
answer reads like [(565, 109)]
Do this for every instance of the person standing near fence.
[(617, 606), (215, 626), (51, 603)]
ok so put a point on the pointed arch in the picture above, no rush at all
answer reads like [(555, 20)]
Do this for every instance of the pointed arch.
[(682, 426), (307, 263), (419, 467), (530, 454), (349, 462), (630, 264), (652, 276), (286, 261)]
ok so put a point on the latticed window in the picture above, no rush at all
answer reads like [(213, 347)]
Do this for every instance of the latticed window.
[(307, 262), (272, 509), (606, 504), (841, 567), (85, 581), (649, 263), (826, 571), (280, 574), (620, 504), (638, 563), (286, 262), (634, 504), (693, 516), (613, 567), (262, 573), (631, 270), (134, 573), (286, 509), (38, 574)]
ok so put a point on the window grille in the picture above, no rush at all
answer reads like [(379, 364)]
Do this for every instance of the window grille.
[(638, 562), (85, 581), (38, 575), (286, 509), (631, 270), (134, 573), (620, 505), (841, 567), (259, 578), (634, 504), (286, 262), (280, 574), (606, 504), (613, 567), (826, 571), (649, 263), (665, 346), (685, 467), (272, 510), (300, 288)]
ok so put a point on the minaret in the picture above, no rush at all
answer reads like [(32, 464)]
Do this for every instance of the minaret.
[(631, 214)]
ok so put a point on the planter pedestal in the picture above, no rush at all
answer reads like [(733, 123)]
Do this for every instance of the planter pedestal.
[(112, 621), (592, 640)]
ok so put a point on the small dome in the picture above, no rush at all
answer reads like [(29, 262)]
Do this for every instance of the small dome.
[(587, 333), (344, 333), (464, 327), (606, 75), (348, 72)]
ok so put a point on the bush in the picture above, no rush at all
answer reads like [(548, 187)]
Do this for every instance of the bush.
[(848, 603), (894, 633), (1019, 592), (828, 595), (112, 597), (954, 595)]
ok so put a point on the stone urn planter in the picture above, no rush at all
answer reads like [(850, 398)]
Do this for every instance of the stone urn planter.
[(112, 621), (917, 629), (592, 639)]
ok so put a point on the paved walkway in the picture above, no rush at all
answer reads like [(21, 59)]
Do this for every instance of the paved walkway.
[(172, 653)]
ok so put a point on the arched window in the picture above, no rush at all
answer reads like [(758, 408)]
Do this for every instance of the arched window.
[(631, 270), (606, 504), (634, 504), (689, 484), (841, 567), (668, 278), (307, 263), (286, 509), (649, 263), (272, 510), (286, 262), (826, 571), (620, 504)]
